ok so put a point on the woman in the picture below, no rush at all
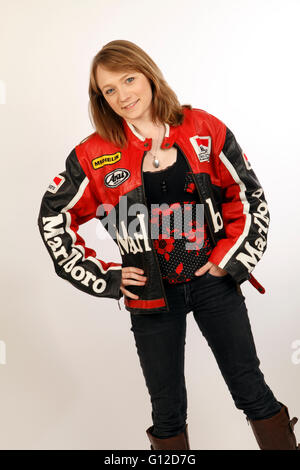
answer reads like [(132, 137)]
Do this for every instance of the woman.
[(151, 165)]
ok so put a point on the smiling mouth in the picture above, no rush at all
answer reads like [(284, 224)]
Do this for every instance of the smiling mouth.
[(131, 105)]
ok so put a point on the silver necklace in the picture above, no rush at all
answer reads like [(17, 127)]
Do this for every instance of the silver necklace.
[(155, 161)]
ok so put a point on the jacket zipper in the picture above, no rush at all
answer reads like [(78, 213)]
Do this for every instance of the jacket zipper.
[(149, 227), (199, 194)]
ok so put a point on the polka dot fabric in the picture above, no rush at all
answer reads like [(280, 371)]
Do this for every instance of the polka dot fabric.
[(175, 228), (181, 250)]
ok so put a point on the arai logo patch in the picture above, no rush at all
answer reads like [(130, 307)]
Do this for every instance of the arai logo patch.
[(116, 177)]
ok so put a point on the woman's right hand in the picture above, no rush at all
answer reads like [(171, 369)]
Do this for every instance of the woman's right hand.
[(132, 276)]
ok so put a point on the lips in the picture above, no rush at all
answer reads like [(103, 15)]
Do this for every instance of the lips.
[(133, 103)]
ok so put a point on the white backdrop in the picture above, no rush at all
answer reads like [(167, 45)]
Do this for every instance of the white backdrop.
[(69, 371)]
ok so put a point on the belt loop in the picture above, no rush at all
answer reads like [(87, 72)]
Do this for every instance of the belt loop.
[(186, 292)]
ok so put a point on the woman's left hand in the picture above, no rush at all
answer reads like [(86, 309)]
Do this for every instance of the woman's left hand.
[(212, 269)]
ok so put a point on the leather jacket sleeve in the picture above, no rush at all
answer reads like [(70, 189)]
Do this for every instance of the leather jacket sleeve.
[(68, 203), (244, 211)]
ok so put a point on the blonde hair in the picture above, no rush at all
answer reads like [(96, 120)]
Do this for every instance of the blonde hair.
[(121, 55)]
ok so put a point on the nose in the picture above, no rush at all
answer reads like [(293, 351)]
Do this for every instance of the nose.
[(124, 97)]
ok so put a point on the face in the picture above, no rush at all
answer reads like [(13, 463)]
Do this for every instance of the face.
[(121, 89)]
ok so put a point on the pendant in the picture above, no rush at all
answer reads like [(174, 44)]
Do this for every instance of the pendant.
[(156, 163)]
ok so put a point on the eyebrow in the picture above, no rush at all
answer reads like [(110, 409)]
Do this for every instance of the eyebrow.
[(108, 84)]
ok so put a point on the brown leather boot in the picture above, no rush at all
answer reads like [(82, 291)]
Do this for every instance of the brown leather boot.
[(179, 442), (277, 432)]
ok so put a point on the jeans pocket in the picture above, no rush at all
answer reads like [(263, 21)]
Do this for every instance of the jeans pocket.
[(217, 277)]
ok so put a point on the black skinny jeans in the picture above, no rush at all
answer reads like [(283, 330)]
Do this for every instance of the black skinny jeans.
[(219, 309)]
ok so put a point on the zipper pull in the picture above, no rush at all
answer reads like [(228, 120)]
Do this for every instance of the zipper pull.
[(119, 304)]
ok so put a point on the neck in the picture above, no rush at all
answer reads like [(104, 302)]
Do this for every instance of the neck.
[(150, 130)]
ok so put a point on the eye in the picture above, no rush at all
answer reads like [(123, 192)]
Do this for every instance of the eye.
[(108, 91), (129, 78)]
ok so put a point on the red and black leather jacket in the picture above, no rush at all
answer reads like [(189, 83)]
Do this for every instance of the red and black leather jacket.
[(99, 176)]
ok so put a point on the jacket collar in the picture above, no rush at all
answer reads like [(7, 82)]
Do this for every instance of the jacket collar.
[(146, 143)]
